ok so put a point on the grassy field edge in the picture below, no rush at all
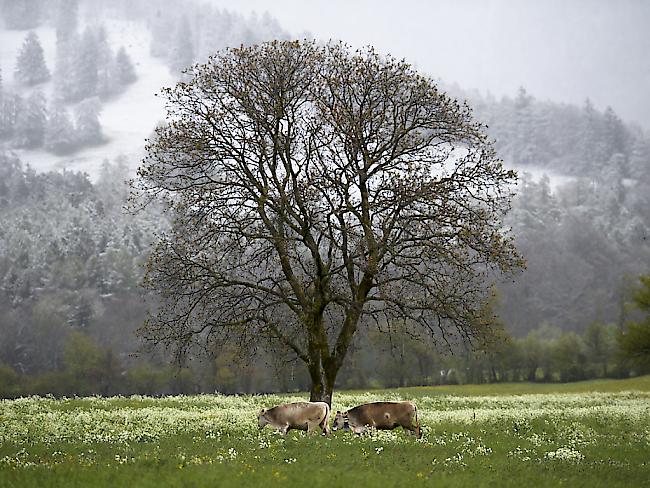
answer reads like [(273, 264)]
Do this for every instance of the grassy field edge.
[(638, 383)]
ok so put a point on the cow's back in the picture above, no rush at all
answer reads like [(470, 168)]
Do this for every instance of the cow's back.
[(384, 415), (298, 414)]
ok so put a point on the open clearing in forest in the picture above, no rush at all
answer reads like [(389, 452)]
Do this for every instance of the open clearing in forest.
[(583, 434)]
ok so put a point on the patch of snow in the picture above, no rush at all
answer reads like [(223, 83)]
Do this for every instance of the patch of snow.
[(556, 180), (127, 119)]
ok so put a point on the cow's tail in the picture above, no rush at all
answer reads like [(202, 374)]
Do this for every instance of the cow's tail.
[(418, 430), (326, 420)]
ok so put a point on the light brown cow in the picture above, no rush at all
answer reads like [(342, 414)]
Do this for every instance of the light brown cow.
[(299, 415), (381, 416)]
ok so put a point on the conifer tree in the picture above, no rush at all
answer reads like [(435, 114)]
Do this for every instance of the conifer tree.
[(9, 106), (640, 159), (67, 47), (66, 19), (88, 128), (270, 27), (523, 120), (30, 122), (59, 131), (65, 86), (86, 66), (123, 70), (105, 62), (615, 137), (591, 144), (2, 127), (30, 64)]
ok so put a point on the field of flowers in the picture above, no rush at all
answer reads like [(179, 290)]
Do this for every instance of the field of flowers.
[(582, 439)]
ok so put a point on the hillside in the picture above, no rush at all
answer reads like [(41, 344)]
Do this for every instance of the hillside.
[(81, 43), (126, 119), (538, 137)]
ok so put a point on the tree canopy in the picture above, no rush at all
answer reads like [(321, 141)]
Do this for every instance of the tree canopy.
[(315, 189)]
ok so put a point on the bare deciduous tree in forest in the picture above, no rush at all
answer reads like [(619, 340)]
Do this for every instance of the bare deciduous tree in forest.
[(314, 189)]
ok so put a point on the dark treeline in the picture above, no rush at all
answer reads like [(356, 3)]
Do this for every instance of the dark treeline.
[(546, 354)]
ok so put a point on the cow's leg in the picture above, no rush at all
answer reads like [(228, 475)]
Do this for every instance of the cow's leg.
[(324, 426), (418, 430), (284, 429), (413, 430), (410, 429), (415, 424), (311, 427)]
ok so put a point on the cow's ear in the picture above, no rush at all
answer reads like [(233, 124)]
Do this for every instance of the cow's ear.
[(263, 411)]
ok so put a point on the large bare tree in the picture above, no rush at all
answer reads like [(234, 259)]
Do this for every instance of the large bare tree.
[(315, 189)]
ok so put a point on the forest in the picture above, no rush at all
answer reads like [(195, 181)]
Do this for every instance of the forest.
[(73, 250), (72, 259)]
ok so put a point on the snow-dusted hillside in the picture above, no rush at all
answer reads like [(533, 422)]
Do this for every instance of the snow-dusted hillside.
[(126, 119), (130, 117)]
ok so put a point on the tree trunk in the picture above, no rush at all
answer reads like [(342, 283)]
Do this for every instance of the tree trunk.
[(324, 365), (321, 393), (322, 385)]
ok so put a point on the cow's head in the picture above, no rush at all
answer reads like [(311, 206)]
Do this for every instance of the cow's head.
[(340, 421), (261, 418)]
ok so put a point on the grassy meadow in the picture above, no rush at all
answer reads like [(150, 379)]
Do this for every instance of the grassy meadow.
[(581, 434)]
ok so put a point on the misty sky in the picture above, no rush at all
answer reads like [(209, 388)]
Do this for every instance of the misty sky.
[(564, 50)]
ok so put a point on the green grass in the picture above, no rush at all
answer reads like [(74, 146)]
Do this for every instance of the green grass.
[(485, 435)]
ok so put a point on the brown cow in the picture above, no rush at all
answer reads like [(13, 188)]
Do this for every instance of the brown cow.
[(299, 415), (381, 416)]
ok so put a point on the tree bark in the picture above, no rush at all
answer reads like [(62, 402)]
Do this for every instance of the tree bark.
[(323, 365), (322, 383), (321, 391)]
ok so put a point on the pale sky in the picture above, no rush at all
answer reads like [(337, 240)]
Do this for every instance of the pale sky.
[(563, 50)]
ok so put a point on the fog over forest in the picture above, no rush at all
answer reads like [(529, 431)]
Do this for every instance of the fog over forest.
[(558, 50), (562, 88)]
